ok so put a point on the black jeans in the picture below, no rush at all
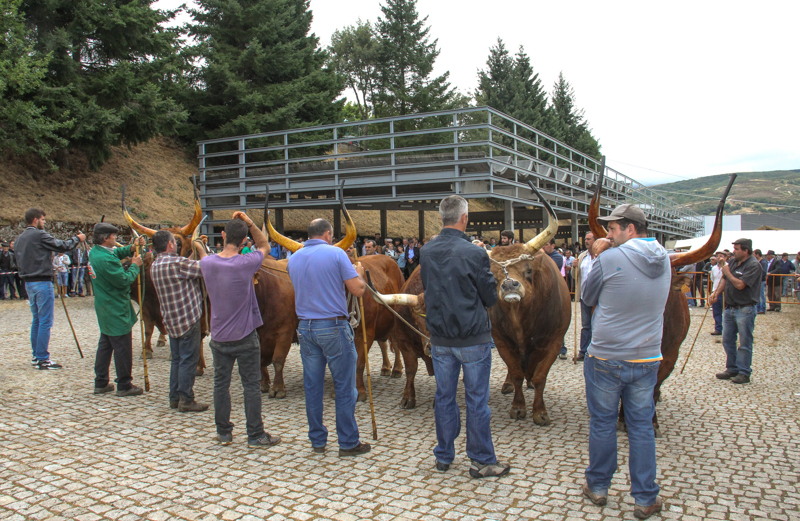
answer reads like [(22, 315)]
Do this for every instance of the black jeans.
[(122, 349), (20, 287), (247, 353), (7, 280), (185, 351)]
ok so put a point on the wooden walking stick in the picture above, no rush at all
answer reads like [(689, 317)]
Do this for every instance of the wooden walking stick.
[(63, 303), (708, 308), (140, 283), (366, 353)]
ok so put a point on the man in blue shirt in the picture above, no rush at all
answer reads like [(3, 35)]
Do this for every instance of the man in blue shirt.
[(320, 273)]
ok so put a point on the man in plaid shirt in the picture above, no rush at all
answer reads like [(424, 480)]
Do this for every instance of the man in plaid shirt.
[(177, 282)]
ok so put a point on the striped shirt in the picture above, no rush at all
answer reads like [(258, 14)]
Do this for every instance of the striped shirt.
[(177, 285)]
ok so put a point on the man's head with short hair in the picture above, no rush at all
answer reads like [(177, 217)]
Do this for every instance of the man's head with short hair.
[(318, 228), (506, 237), (743, 245), (550, 246), (757, 253), (235, 232), (369, 247), (588, 240), (452, 208), (161, 240), (35, 214)]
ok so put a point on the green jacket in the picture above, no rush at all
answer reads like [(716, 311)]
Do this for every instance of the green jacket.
[(112, 289)]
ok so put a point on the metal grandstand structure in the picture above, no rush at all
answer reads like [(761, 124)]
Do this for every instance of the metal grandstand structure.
[(411, 162)]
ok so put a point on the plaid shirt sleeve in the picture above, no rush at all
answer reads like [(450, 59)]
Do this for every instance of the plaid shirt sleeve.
[(189, 269)]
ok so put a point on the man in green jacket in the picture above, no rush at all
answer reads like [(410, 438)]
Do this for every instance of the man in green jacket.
[(112, 303)]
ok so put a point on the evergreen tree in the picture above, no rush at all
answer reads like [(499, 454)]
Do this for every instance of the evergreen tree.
[(566, 120), (406, 62), (260, 69), (495, 83), (109, 62), (528, 99), (355, 54), (24, 127)]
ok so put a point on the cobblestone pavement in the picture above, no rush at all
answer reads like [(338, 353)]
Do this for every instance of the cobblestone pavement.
[(728, 452)]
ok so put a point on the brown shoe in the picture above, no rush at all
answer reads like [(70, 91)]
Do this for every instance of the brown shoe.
[(103, 390), (133, 391), (361, 448), (645, 512), (597, 499), (193, 406), (173, 404)]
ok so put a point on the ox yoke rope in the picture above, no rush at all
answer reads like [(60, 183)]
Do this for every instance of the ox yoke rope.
[(510, 262)]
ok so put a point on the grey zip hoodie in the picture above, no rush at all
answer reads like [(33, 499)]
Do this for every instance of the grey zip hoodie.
[(629, 286)]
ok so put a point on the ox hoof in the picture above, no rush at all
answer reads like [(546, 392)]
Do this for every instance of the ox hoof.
[(408, 403), (542, 419), (530, 385), (386, 372), (657, 431), (621, 427), (507, 388), (160, 343), (199, 371), (362, 396), (397, 374), (518, 413), (277, 393)]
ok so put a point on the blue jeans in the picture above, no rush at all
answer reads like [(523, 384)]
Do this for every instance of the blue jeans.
[(63, 278), (717, 309), (185, 351), (739, 321), (477, 364), (247, 355), (329, 342), (77, 280), (586, 328), (606, 382), (761, 307), (41, 299)]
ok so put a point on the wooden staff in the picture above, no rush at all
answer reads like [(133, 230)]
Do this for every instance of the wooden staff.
[(695, 338), (140, 282), (575, 327), (63, 303), (366, 352)]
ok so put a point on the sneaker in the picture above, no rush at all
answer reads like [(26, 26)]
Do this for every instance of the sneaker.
[(45, 365), (487, 471), (640, 512), (581, 358), (361, 448), (726, 375), (264, 441), (318, 450), (562, 356), (442, 467), (133, 391), (741, 379), (193, 406), (34, 361), (103, 390), (225, 439), (716, 333), (597, 499)]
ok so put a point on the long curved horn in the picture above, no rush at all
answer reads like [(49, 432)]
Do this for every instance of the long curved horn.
[(286, 242), (708, 249), (188, 230), (350, 236), (397, 299), (598, 230), (133, 224), (548, 233)]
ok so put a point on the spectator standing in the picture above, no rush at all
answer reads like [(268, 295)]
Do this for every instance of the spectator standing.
[(234, 319), (401, 258), (370, 247), (585, 262), (23, 294), (699, 284), (718, 262), (61, 266), (320, 273), (787, 268), (177, 283), (629, 284), (412, 256), (7, 272), (762, 300), (459, 286), (390, 252), (506, 238), (568, 261), (33, 254), (552, 252), (740, 283), (77, 259), (773, 282)]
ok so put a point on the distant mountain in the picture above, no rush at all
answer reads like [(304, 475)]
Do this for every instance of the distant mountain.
[(763, 189)]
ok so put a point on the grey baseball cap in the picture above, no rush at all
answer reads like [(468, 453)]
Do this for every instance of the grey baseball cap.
[(626, 211)]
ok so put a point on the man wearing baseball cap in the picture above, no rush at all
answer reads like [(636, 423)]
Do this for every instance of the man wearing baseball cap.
[(741, 282), (628, 286)]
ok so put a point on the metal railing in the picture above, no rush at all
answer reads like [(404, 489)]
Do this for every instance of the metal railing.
[(398, 162)]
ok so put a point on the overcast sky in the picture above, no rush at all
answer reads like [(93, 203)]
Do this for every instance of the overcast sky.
[(671, 90)]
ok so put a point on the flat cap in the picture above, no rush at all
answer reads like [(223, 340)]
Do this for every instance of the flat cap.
[(5, 245), (626, 211), (105, 228), (770, 252)]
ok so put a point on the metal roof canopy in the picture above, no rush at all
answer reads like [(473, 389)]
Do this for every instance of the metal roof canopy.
[(411, 162)]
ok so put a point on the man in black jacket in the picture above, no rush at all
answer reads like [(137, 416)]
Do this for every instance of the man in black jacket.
[(459, 286), (6, 272), (17, 281), (773, 282)]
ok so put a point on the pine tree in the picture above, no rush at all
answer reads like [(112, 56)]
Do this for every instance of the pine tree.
[(494, 83), (406, 62), (566, 120), (260, 69), (109, 62), (528, 99)]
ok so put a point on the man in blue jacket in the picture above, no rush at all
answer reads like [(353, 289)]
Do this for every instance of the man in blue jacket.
[(628, 285), (459, 286)]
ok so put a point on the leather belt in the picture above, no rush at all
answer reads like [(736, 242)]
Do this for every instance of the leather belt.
[(340, 317)]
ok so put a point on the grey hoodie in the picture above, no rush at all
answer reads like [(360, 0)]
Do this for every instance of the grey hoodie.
[(629, 285)]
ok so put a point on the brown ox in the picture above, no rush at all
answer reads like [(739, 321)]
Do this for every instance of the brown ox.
[(378, 320), (528, 322), (676, 311), (151, 309)]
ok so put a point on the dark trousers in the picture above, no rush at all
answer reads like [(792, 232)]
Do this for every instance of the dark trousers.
[(7, 280), (586, 328), (20, 287), (247, 354), (122, 349), (700, 290), (774, 292), (185, 351), (717, 309)]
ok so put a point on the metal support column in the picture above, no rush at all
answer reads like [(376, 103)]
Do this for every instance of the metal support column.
[(384, 227), (279, 219), (575, 237), (421, 225), (337, 223), (508, 216)]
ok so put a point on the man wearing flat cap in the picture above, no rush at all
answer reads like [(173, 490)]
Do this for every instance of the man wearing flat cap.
[(112, 304), (741, 283), (628, 286)]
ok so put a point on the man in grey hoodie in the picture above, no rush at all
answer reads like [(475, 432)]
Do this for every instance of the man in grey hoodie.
[(628, 286)]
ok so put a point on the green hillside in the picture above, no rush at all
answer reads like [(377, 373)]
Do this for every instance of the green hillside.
[(764, 189)]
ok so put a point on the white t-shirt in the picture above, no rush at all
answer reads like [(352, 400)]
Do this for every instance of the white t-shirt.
[(586, 268), (716, 276)]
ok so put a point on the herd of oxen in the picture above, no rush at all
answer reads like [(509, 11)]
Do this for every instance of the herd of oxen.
[(529, 321)]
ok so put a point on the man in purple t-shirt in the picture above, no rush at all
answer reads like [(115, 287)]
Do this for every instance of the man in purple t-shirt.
[(234, 319), (320, 273)]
